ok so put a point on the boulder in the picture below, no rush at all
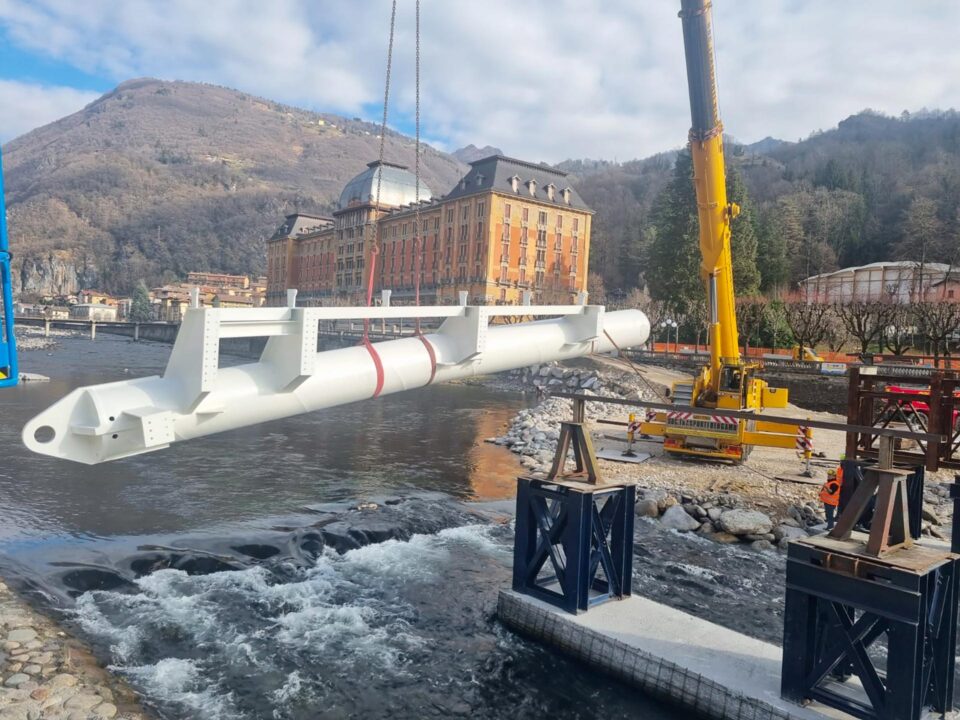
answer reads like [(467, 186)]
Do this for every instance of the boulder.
[(647, 507), (930, 515), (724, 538), (788, 532), (761, 545), (676, 518), (745, 522), (714, 513), (589, 383), (544, 371), (557, 372)]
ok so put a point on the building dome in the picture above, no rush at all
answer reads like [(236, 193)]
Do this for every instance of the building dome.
[(398, 187)]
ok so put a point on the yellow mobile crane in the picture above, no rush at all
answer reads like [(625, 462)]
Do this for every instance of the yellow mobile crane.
[(727, 383)]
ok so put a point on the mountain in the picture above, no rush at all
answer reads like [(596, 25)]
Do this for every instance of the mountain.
[(158, 178), (471, 152), (838, 198), (765, 146)]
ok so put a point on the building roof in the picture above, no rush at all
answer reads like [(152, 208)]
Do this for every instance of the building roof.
[(931, 268), (299, 224), (497, 173), (398, 186)]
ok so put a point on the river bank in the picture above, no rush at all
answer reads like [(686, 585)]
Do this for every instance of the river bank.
[(47, 673), (722, 502)]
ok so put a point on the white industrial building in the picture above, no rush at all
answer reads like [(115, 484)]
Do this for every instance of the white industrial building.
[(900, 282), (93, 311)]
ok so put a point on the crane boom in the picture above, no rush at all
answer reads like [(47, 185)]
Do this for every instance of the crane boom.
[(728, 382), (709, 177)]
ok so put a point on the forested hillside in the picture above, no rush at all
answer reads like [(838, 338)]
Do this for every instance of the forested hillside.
[(874, 188), (158, 178)]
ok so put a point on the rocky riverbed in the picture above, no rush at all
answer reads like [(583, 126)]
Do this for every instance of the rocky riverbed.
[(44, 673), (32, 338)]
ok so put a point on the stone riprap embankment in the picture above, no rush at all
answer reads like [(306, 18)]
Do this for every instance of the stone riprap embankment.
[(45, 674), (728, 517), (534, 432)]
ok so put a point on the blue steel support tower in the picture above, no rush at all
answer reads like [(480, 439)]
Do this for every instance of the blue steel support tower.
[(9, 372)]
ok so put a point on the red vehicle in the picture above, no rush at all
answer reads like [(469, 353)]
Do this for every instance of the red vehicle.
[(915, 413)]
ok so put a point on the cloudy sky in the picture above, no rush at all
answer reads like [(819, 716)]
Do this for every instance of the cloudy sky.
[(542, 79)]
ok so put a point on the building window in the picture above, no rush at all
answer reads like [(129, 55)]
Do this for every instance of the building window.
[(559, 223), (481, 206), (525, 215), (576, 225), (542, 219), (506, 212), (480, 230), (463, 233), (466, 212), (449, 215), (503, 273)]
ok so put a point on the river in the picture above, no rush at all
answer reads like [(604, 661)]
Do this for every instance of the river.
[(235, 577)]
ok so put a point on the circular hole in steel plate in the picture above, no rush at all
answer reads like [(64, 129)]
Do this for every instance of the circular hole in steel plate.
[(44, 434)]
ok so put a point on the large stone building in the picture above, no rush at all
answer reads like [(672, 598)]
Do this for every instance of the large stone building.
[(507, 227)]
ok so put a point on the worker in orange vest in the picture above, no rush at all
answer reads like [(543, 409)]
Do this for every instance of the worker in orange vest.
[(830, 494)]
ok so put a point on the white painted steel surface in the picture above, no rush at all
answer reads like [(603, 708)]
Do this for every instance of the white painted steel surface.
[(195, 397)]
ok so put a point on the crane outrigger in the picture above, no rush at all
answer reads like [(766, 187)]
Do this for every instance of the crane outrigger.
[(728, 382)]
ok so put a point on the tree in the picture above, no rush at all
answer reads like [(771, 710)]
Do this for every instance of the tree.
[(772, 259), (937, 322), (898, 335), (809, 321), (751, 312), (865, 321), (597, 290), (673, 264), (920, 240), (673, 252), (836, 336), (743, 238), (141, 310)]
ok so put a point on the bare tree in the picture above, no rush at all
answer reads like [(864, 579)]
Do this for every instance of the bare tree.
[(921, 240), (865, 321), (808, 321), (938, 322), (751, 313), (898, 335), (837, 333)]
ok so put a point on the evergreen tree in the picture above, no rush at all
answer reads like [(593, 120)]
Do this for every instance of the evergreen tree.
[(772, 260), (743, 239), (673, 251), (673, 265), (140, 307)]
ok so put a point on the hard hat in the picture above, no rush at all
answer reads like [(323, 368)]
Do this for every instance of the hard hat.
[(831, 473)]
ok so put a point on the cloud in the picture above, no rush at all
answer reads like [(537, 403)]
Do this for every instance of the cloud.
[(24, 106), (542, 79)]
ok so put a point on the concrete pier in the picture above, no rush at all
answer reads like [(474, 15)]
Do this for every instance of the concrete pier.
[(666, 653)]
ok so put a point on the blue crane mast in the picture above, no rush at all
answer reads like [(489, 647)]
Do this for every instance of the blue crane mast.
[(9, 372)]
